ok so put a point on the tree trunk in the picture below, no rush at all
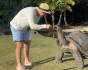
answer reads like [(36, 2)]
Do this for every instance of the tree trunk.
[(66, 24), (45, 20), (53, 20), (58, 24), (60, 34), (53, 24)]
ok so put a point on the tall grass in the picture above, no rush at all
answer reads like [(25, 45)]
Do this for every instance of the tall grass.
[(42, 52)]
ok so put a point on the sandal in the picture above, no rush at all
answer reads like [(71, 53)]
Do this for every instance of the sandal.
[(23, 68), (32, 64)]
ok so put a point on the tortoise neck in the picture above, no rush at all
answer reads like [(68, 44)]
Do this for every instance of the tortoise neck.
[(61, 36)]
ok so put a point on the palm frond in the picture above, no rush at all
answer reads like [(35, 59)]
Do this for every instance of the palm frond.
[(64, 5), (70, 2)]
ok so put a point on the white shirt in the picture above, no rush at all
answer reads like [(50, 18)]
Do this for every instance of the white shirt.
[(26, 18)]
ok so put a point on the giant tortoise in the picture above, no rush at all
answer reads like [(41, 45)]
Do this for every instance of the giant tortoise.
[(74, 42)]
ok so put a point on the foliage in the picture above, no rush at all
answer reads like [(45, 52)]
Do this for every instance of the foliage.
[(40, 1), (8, 9), (80, 12), (64, 5), (51, 3), (25, 3)]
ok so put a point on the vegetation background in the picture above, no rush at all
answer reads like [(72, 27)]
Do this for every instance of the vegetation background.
[(9, 8)]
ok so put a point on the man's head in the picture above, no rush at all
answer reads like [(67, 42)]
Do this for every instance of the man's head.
[(43, 9)]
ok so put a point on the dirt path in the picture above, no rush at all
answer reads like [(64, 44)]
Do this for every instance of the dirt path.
[(75, 29)]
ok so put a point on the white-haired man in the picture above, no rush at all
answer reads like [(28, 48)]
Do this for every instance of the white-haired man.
[(27, 18)]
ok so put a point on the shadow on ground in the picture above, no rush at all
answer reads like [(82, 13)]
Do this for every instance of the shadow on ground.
[(41, 62), (47, 60), (51, 59), (85, 66), (70, 68)]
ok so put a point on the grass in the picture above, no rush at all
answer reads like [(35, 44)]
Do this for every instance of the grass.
[(42, 51)]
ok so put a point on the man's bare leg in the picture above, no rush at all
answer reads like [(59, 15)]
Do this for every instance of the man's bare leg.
[(18, 54), (26, 51)]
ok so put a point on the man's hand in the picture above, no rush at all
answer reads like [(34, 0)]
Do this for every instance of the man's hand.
[(55, 27), (48, 26)]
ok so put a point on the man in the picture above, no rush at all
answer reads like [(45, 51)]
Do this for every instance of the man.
[(27, 18)]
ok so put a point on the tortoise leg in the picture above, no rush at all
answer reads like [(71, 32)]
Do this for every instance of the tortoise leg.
[(59, 55), (78, 58)]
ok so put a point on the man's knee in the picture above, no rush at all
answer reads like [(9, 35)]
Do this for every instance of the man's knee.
[(19, 43), (27, 43)]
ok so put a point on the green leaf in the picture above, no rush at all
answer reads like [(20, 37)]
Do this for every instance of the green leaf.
[(70, 2), (64, 5), (68, 8)]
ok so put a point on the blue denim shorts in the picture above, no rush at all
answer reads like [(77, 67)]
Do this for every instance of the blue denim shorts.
[(19, 35)]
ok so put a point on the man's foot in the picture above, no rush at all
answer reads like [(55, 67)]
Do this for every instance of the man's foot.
[(29, 64), (19, 66), (23, 68)]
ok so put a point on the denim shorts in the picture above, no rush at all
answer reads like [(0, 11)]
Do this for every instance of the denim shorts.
[(19, 35)]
